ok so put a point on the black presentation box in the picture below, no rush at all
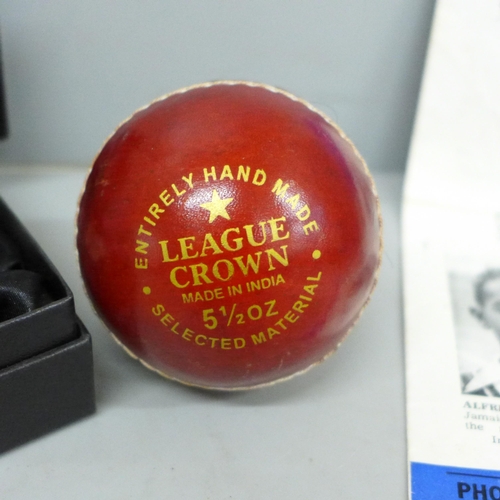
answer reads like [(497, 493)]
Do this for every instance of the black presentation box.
[(46, 369)]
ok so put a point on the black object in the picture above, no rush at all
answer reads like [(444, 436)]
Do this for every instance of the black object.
[(3, 104), (46, 371)]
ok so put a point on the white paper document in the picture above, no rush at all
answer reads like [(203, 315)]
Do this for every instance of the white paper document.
[(451, 259)]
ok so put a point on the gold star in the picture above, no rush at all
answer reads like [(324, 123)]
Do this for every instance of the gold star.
[(217, 207)]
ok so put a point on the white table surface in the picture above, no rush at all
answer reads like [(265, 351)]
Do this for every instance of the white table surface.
[(337, 432)]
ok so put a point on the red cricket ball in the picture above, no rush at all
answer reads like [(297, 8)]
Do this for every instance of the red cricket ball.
[(229, 235)]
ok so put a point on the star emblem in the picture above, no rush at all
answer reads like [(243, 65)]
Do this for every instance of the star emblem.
[(217, 207)]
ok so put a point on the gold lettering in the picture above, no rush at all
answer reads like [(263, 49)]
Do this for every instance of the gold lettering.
[(310, 289), (259, 338), (188, 180), (142, 248), (259, 177), (226, 173), (279, 279), (185, 247), (280, 324), (239, 343), (250, 237), (243, 173), (200, 339), (166, 198), (293, 201), (155, 210), (200, 273), (238, 241), (270, 312), (164, 251), (275, 229), (177, 192), (280, 189), (141, 263), (303, 214), (299, 306), (314, 278), (158, 310), (250, 263), (310, 227), (143, 231), (208, 174), (271, 332), (187, 334), (210, 244), (230, 269), (282, 259), (167, 319), (173, 277)]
